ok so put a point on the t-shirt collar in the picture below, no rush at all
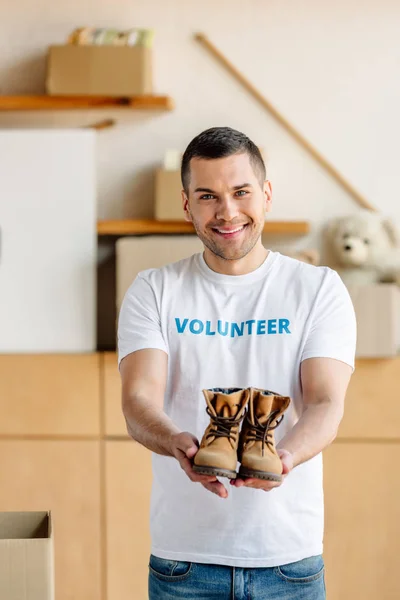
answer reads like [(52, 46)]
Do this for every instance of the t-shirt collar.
[(251, 277)]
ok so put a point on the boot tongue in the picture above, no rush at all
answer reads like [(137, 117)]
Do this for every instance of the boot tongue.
[(263, 406), (226, 405), (266, 404)]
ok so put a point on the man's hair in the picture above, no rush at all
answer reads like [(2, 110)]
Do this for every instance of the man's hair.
[(219, 142)]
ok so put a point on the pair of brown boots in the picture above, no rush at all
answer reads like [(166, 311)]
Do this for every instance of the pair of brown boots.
[(224, 444)]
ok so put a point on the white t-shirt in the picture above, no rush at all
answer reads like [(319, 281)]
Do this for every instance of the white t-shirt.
[(236, 331)]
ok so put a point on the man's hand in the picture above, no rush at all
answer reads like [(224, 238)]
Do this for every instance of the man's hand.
[(260, 484), (184, 446)]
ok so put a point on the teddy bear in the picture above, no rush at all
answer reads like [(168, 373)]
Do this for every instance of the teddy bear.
[(364, 248)]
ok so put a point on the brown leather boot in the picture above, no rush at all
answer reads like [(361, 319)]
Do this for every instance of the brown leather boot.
[(217, 454), (257, 453)]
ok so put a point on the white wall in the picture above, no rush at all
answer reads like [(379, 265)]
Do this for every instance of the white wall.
[(332, 69)]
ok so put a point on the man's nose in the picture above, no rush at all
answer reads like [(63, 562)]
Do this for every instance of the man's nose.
[(227, 209)]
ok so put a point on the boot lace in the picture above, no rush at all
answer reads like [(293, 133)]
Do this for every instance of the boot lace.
[(262, 432), (223, 425)]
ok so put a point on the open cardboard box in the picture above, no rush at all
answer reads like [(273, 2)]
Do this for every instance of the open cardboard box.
[(26, 556)]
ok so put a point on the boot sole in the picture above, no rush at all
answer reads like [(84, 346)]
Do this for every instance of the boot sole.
[(215, 471), (260, 475)]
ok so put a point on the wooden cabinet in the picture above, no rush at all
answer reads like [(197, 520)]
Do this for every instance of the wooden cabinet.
[(64, 447), (50, 458), (362, 520), (362, 490), (128, 483), (48, 395), (64, 477), (372, 404)]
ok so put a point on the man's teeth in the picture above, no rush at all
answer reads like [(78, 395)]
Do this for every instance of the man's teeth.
[(230, 230)]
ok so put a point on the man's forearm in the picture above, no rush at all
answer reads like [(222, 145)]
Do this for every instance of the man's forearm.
[(316, 429), (149, 425)]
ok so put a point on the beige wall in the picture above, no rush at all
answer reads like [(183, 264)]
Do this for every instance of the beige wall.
[(331, 69)]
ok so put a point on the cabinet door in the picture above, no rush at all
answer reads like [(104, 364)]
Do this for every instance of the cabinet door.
[(128, 483), (48, 241), (372, 407), (64, 477), (114, 419), (49, 394), (362, 521)]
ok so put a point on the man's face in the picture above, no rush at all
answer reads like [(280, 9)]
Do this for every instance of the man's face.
[(227, 204)]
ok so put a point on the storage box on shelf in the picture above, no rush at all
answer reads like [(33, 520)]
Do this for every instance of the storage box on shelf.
[(168, 196), (377, 309), (99, 70), (134, 254)]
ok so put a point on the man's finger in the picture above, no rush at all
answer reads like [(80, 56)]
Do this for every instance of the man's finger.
[(187, 467), (210, 482), (261, 484), (216, 487), (188, 452), (258, 484)]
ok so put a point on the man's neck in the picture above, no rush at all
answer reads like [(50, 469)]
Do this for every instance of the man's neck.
[(242, 266)]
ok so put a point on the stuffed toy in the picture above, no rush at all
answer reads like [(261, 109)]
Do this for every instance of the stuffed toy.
[(364, 248)]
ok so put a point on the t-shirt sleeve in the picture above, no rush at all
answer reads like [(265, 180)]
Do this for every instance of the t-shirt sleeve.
[(333, 328), (139, 324)]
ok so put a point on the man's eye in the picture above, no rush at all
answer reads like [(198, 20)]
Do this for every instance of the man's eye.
[(241, 192), (206, 197)]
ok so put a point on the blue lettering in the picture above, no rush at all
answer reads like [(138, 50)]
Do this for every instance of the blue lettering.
[(208, 329), (181, 326), (226, 328), (260, 327), (250, 325), (235, 328), (284, 325), (196, 322)]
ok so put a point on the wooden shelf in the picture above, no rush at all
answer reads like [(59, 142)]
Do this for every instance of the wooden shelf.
[(46, 102), (148, 226)]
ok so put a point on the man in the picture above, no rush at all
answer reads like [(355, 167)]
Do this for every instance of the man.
[(245, 543)]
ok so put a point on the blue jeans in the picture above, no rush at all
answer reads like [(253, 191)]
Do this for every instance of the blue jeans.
[(176, 580)]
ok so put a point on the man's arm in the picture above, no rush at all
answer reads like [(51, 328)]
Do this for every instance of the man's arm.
[(324, 382), (144, 377)]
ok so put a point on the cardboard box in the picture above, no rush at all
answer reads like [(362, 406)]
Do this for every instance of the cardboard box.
[(26, 556), (99, 70), (377, 309), (168, 197), (134, 254)]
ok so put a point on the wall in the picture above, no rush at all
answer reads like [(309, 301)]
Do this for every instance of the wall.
[(330, 69)]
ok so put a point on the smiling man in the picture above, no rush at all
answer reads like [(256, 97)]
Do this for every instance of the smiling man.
[(236, 316)]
